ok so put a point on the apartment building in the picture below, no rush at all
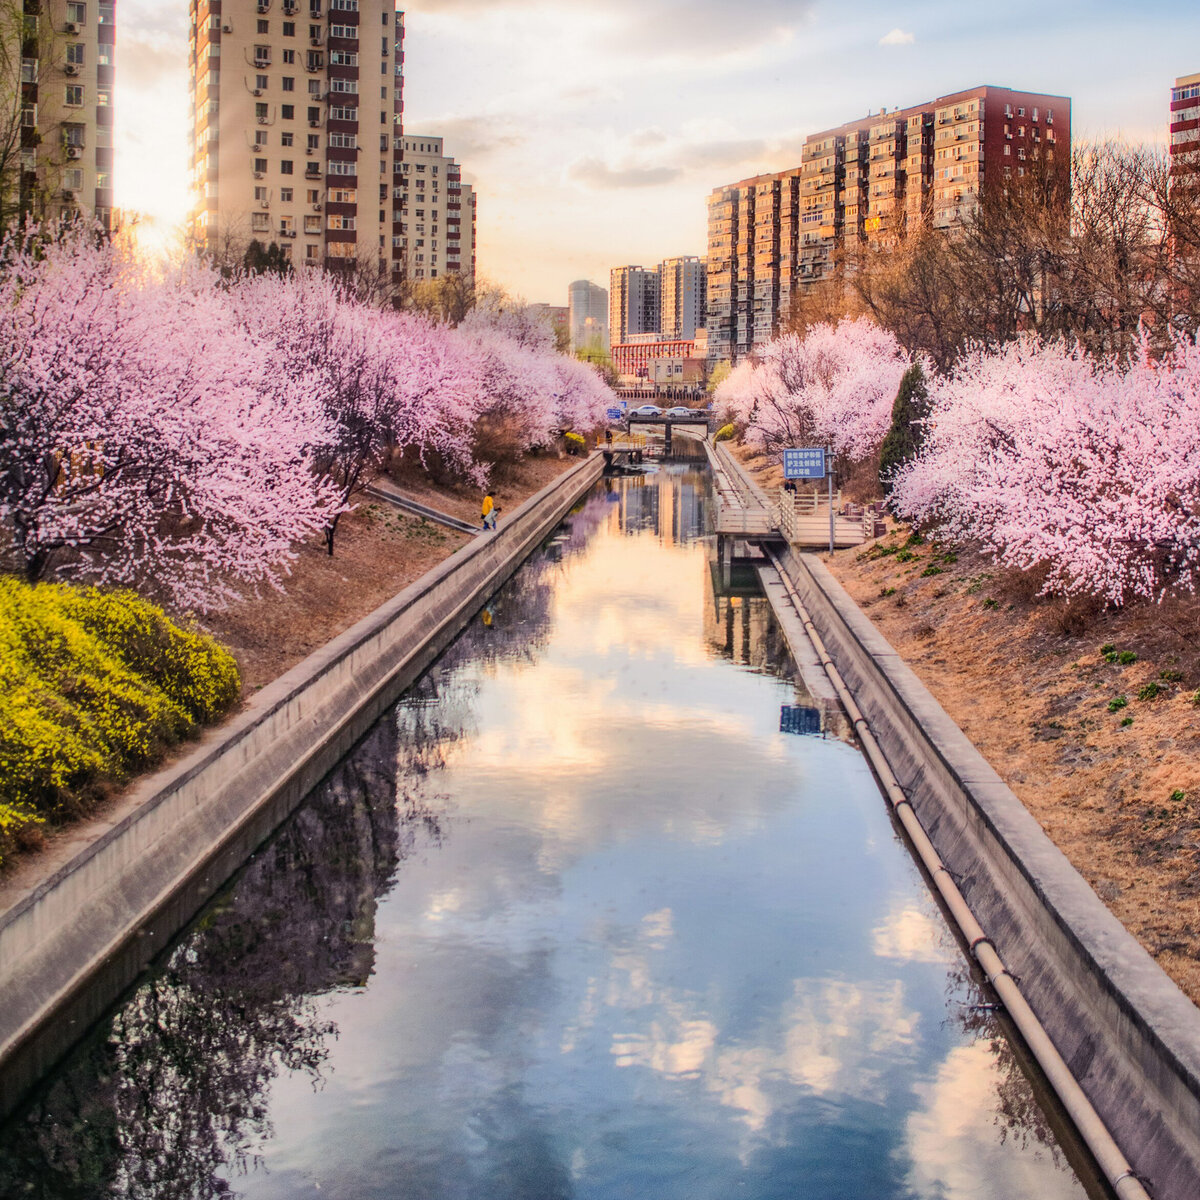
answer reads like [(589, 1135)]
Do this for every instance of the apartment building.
[(873, 179), (1185, 127), (63, 113), (683, 286), (587, 319), (634, 299), (867, 182), (437, 212), (297, 111)]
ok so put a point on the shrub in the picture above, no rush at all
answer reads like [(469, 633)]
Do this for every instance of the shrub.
[(1117, 703), (723, 434), (576, 443), (1148, 691), (93, 686)]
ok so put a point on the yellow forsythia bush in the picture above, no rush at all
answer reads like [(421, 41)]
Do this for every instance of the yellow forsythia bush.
[(93, 686), (723, 434)]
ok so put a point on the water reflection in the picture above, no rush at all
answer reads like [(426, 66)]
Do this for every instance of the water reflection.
[(577, 919)]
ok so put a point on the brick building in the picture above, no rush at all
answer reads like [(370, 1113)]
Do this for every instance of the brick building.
[(864, 183), (1185, 127)]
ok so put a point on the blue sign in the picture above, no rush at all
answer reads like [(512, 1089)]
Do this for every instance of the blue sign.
[(613, 414), (804, 463)]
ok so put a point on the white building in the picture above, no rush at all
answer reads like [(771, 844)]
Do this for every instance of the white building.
[(437, 212), (587, 305), (683, 285)]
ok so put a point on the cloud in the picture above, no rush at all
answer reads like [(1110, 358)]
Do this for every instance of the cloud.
[(597, 174), (663, 27), (897, 37)]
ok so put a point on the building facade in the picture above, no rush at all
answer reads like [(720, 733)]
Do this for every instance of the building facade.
[(866, 183), (1185, 127), (297, 129), (683, 286), (61, 111), (587, 304), (437, 212), (633, 303), (638, 358)]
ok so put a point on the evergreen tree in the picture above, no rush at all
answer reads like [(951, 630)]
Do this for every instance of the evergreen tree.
[(907, 432)]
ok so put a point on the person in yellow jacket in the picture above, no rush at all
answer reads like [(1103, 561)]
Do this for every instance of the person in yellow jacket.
[(489, 511)]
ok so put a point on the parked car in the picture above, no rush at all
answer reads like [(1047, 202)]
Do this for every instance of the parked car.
[(646, 410), (680, 411)]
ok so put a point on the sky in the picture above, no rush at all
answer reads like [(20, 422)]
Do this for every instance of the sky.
[(594, 130)]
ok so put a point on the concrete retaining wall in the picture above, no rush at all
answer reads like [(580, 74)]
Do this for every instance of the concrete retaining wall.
[(70, 945), (1130, 1036)]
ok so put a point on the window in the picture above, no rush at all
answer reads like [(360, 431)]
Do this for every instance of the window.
[(312, 251), (285, 166), (77, 14), (289, 57), (314, 196), (312, 223), (341, 249), (314, 33), (343, 85), (287, 224), (349, 32), (347, 141), (75, 53), (261, 82), (289, 29), (260, 194), (344, 195), (104, 98), (340, 113), (289, 83), (262, 55), (260, 222), (260, 111), (314, 87), (343, 58), (287, 112), (260, 166), (74, 94), (314, 141), (264, 27), (344, 5), (336, 221), (73, 179), (285, 194), (285, 139), (314, 114), (342, 168)]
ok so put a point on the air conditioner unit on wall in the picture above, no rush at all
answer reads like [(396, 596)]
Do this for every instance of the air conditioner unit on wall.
[(74, 151), (70, 69)]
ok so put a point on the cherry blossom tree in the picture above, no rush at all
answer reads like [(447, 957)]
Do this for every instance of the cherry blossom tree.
[(833, 385), (137, 442), (1049, 459)]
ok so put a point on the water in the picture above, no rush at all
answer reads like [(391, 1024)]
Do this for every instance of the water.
[(575, 920)]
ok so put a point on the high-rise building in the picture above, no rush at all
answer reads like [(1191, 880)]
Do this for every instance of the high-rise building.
[(1185, 127), (297, 109), (633, 302), (437, 212), (751, 262), (683, 285), (587, 304), (62, 114), (864, 183)]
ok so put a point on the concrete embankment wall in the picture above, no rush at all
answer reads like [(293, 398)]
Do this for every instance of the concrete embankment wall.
[(1129, 1035), (73, 942)]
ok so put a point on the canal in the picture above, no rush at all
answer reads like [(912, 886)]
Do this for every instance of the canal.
[(603, 908)]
